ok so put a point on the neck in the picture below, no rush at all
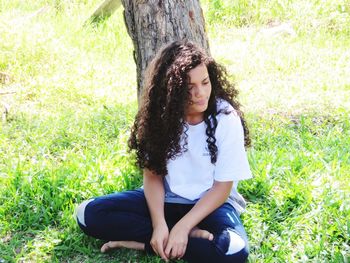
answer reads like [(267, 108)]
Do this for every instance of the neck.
[(194, 119)]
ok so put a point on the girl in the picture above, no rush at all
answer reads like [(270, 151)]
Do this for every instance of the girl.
[(189, 137)]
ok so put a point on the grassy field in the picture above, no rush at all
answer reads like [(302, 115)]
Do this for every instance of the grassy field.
[(75, 97)]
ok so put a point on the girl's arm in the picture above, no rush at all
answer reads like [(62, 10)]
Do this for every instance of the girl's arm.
[(214, 198), (154, 193)]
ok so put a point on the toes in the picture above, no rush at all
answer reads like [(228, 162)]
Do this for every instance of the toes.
[(109, 245), (104, 248), (205, 234), (200, 233)]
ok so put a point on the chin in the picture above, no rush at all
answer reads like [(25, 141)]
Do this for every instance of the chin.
[(204, 108), (198, 109)]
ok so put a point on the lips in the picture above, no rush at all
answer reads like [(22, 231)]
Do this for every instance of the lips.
[(200, 102)]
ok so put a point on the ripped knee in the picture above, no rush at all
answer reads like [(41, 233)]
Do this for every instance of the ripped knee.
[(80, 212), (229, 242)]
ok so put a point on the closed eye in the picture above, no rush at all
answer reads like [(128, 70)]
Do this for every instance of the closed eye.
[(206, 80)]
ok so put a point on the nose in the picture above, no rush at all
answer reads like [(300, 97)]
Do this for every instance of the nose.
[(198, 91)]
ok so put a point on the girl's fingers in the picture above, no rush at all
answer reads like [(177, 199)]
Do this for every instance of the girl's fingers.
[(160, 252), (155, 250), (167, 250), (181, 252), (176, 251)]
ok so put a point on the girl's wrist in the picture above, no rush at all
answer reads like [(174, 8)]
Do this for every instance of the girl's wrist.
[(185, 225), (159, 222)]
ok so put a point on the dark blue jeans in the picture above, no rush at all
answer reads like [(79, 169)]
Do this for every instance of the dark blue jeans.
[(125, 216)]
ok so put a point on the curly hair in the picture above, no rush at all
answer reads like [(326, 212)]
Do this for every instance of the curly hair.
[(160, 122)]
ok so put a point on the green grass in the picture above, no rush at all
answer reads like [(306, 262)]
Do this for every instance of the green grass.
[(65, 137)]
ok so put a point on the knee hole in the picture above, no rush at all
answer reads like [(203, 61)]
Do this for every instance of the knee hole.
[(236, 243), (80, 211)]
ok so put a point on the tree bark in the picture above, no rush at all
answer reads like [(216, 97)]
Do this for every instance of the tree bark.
[(153, 23)]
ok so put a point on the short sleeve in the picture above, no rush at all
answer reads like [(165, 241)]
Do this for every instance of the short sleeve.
[(232, 162)]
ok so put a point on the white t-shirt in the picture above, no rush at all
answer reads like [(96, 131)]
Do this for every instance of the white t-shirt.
[(191, 174)]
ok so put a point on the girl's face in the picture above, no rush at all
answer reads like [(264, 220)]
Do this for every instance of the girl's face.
[(200, 88)]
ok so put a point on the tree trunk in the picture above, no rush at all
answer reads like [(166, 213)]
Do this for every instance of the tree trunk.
[(153, 23)]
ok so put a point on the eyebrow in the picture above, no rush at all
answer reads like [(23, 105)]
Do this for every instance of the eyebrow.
[(206, 78)]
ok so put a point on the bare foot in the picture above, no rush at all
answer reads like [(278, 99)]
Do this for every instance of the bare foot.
[(122, 244), (200, 233)]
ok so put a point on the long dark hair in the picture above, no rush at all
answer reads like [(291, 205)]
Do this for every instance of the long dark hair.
[(160, 122)]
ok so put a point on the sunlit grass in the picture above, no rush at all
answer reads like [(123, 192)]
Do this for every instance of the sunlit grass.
[(65, 136)]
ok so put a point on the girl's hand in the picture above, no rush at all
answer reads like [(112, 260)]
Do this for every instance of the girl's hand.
[(177, 242), (159, 240)]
